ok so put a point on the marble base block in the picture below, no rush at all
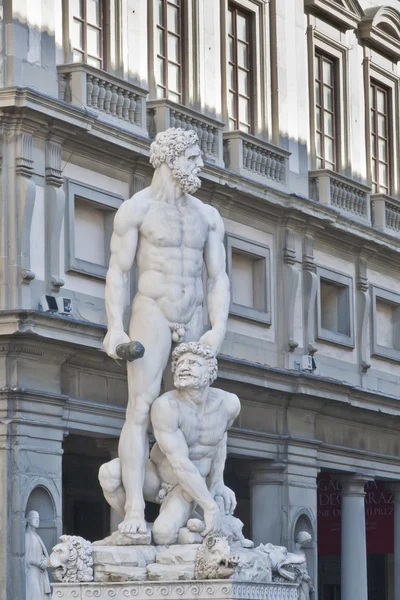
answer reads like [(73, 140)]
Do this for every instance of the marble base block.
[(177, 590)]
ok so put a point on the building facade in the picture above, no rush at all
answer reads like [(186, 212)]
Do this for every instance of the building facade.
[(296, 104)]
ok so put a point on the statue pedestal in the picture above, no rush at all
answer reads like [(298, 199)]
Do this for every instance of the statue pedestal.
[(222, 589)]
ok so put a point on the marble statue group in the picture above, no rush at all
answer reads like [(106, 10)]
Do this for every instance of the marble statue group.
[(172, 236)]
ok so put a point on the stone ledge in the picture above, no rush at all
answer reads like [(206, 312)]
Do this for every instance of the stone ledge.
[(176, 590)]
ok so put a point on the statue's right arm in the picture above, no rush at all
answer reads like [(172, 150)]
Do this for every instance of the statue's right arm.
[(122, 254)]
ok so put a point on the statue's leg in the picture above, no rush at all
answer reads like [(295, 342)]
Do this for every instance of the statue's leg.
[(149, 326), (174, 514), (110, 478), (195, 327)]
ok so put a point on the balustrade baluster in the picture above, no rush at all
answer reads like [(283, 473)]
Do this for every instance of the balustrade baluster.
[(138, 111), (114, 100), (273, 166), (102, 94), (107, 98), (89, 89), (95, 92), (125, 106), (120, 102), (132, 107)]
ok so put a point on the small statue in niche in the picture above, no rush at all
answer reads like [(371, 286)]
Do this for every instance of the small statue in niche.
[(36, 561)]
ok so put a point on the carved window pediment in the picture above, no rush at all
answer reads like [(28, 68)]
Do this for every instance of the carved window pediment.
[(345, 13), (380, 28)]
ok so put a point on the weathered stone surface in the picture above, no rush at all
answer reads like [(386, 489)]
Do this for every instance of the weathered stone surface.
[(119, 573), (170, 572), (125, 539), (178, 555), (134, 556), (185, 536)]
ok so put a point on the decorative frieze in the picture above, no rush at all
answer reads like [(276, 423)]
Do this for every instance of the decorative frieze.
[(176, 590)]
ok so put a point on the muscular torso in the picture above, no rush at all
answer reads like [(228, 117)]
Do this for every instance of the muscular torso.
[(169, 257), (203, 432)]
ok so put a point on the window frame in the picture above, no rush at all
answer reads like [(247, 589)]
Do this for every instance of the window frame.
[(390, 297), (105, 201), (83, 20), (264, 125), (342, 280), (320, 104), (256, 251), (179, 4), (232, 6), (375, 156), (377, 71), (319, 42)]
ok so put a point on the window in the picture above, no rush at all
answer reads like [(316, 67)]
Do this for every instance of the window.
[(248, 266), (380, 143), (335, 307), (385, 323), (325, 112), (240, 110), (169, 50), (90, 216), (87, 32)]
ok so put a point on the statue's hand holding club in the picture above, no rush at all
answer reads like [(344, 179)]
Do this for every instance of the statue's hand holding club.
[(117, 344)]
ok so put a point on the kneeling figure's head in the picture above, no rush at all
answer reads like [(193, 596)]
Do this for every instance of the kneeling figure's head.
[(193, 366)]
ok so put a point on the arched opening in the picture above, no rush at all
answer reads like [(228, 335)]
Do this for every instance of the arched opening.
[(41, 500), (304, 523)]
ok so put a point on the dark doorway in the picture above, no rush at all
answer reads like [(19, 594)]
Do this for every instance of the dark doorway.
[(85, 511)]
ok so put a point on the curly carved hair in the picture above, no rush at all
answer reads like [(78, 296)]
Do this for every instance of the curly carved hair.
[(171, 143), (79, 567), (200, 350)]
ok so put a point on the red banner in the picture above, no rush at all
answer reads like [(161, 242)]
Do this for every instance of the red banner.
[(379, 516)]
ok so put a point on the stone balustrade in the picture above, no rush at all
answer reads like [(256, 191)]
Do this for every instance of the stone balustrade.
[(162, 114), (341, 193), (112, 98), (255, 159), (386, 214)]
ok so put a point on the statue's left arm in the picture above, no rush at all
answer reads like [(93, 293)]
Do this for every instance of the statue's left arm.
[(218, 296), (216, 475)]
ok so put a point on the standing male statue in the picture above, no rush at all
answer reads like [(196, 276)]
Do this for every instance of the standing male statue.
[(36, 561), (169, 233)]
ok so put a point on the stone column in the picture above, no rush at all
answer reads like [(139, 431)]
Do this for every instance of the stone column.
[(354, 545), (266, 501), (395, 488)]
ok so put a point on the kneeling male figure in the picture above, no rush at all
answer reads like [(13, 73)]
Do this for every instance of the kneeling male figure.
[(186, 463)]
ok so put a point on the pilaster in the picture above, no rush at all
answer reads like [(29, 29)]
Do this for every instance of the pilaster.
[(291, 277), (363, 312), (54, 208), (310, 285)]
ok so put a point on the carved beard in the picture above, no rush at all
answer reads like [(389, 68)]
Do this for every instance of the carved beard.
[(190, 382), (189, 183)]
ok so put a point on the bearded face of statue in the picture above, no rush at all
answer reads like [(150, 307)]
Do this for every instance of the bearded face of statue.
[(191, 371), (186, 169)]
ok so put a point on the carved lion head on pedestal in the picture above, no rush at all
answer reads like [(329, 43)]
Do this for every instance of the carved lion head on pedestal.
[(71, 560)]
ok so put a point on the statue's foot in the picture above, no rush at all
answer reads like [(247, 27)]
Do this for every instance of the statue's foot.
[(133, 523)]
